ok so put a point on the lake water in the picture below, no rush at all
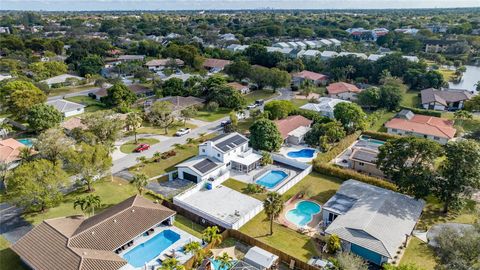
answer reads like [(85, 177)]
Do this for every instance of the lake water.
[(469, 79)]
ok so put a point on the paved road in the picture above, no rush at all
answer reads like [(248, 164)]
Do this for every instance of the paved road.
[(80, 93)]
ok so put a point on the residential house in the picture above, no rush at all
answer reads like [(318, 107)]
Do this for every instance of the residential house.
[(343, 90), (325, 42), (313, 77), (429, 127), (324, 107), (237, 47), (363, 157), (261, 259), (359, 55), (437, 28), (5, 77), (73, 123), (10, 152), (311, 53), (375, 57), (442, 100), (371, 222), (228, 37), (96, 242), (160, 64), (67, 108), (61, 80), (408, 31), (413, 59), (179, 103), (335, 42), (439, 46), (243, 89), (215, 65), (325, 55), (293, 128), (130, 57), (282, 45)]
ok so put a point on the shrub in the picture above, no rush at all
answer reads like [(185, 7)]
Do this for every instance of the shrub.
[(314, 116), (333, 244), (380, 135), (254, 188), (338, 148), (211, 106), (422, 111)]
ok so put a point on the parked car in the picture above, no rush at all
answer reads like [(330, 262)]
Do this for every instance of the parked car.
[(183, 131), (225, 123), (252, 106), (259, 102), (315, 261), (142, 147)]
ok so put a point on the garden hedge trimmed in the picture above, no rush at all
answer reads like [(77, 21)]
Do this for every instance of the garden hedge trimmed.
[(382, 136), (422, 111)]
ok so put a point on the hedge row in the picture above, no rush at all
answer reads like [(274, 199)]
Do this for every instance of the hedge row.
[(422, 111), (339, 148), (314, 116), (380, 135), (346, 174)]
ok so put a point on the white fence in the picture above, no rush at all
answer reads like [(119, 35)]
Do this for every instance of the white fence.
[(306, 169)]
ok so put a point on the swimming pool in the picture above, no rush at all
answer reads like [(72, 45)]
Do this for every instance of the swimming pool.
[(368, 139), (147, 251), (303, 213), (303, 153), (271, 178), (216, 265), (26, 142)]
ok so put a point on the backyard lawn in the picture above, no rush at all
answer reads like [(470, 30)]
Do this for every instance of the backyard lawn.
[(299, 102), (128, 147), (147, 128), (411, 99), (259, 94), (207, 116), (419, 254), (93, 105), (69, 90), (189, 226), (378, 126), (8, 259)]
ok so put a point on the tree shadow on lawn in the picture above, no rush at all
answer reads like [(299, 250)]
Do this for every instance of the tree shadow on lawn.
[(324, 196)]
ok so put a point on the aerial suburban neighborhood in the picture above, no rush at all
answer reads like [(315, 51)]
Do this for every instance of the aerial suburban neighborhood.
[(239, 135)]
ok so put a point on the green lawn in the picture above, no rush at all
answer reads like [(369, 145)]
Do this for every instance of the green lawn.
[(240, 187), (411, 99), (189, 226), (378, 126), (8, 259), (147, 128), (259, 94), (110, 191), (315, 186), (468, 125), (128, 147), (244, 125), (299, 102), (207, 116), (419, 254), (69, 90), (93, 105)]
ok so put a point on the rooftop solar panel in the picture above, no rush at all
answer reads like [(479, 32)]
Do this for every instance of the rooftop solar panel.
[(231, 143), (205, 165)]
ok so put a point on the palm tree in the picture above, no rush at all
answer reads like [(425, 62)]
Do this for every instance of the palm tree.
[(134, 120), (225, 261), (6, 127), (273, 206), (88, 203), (192, 247), (349, 70), (171, 264), (25, 154), (140, 181), (211, 235)]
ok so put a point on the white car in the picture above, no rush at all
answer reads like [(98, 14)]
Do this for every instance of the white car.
[(252, 106), (183, 131)]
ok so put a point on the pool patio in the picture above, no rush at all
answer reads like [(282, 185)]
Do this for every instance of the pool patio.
[(311, 228), (294, 148), (253, 176)]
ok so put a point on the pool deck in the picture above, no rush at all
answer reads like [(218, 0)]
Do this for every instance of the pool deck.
[(182, 257), (291, 148), (251, 177), (311, 228), (343, 159)]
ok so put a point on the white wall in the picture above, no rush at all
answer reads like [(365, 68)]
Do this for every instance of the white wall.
[(72, 113), (437, 107), (306, 169), (404, 133), (345, 96)]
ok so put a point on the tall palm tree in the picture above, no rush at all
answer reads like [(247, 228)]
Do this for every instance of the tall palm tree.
[(133, 121), (273, 206), (192, 247), (25, 154), (349, 70), (171, 264), (140, 181), (88, 203), (211, 235), (225, 261)]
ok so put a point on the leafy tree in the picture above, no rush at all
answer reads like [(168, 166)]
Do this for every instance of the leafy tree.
[(279, 109), (26, 154), (140, 181), (173, 87), (227, 97), (52, 144), (324, 134), (225, 261), (171, 264), (273, 205), (239, 70), (409, 163), (104, 125), (212, 235), (260, 76), (369, 97), (90, 162), (120, 96), (349, 261), (473, 105), (351, 116), (192, 247), (44, 70), (19, 96), (390, 97), (42, 116), (88, 204), (90, 64), (264, 135), (333, 244), (161, 115), (134, 121), (36, 185), (278, 78), (459, 172), (462, 114), (266, 158)]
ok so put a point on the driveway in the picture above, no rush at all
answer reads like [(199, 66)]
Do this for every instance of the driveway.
[(80, 93), (12, 225)]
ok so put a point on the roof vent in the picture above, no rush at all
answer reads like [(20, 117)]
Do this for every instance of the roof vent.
[(93, 232), (114, 221), (133, 210), (84, 253)]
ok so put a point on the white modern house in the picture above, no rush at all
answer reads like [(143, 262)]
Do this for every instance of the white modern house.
[(325, 106), (67, 108), (372, 222)]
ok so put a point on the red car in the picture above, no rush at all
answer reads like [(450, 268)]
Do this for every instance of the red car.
[(141, 147)]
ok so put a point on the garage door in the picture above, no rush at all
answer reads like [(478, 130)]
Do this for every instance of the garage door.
[(367, 254), (189, 177)]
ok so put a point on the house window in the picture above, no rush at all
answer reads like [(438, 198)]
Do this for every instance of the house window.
[(332, 217), (218, 155), (361, 163), (436, 138), (203, 150), (425, 136), (394, 130)]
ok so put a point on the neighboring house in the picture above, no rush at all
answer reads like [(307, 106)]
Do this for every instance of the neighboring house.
[(429, 127), (441, 100), (217, 156), (325, 55), (96, 242), (343, 90), (261, 259), (5, 77), (372, 222), (130, 57), (243, 89), (139, 90), (311, 54), (67, 108), (73, 123), (363, 159), (64, 79), (215, 65), (375, 57), (237, 47), (10, 152), (179, 103), (313, 77), (438, 46), (160, 64), (324, 107), (293, 128), (359, 55)]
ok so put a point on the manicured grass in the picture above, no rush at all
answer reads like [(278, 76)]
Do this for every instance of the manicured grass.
[(128, 147), (468, 125), (244, 125), (378, 126), (147, 128), (240, 187), (207, 116), (189, 226), (110, 191), (259, 94), (411, 99), (315, 186), (69, 90), (299, 102), (9, 260), (419, 254), (93, 105)]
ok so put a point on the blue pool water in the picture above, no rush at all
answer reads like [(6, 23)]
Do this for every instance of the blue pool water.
[(216, 265), (368, 139), (304, 153), (271, 179), (303, 213), (27, 142), (147, 251)]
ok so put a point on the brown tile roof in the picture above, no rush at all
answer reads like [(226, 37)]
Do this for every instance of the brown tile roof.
[(74, 122), (215, 63), (291, 123), (10, 150), (310, 75), (424, 124), (445, 96), (237, 86), (78, 243), (342, 87)]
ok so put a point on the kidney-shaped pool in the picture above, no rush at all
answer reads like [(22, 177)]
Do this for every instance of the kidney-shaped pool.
[(303, 213)]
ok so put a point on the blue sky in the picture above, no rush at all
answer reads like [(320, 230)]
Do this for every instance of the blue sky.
[(227, 4)]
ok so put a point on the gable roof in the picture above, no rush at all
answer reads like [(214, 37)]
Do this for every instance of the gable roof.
[(424, 124), (164, 62), (237, 86), (325, 104), (378, 219), (215, 63), (78, 243), (229, 142), (72, 123), (10, 150), (289, 124), (202, 165), (342, 87), (64, 106), (445, 96), (305, 74)]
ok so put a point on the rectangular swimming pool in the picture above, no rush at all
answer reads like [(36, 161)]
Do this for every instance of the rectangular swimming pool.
[(149, 250), (272, 178)]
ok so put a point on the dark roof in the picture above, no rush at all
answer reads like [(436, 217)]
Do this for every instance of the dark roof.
[(405, 114), (205, 165), (214, 139), (231, 143), (442, 42), (365, 155), (339, 203), (444, 96)]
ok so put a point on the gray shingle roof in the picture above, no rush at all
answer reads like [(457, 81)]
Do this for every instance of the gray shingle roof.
[(364, 155), (63, 105), (378, 219), (444, 96)]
